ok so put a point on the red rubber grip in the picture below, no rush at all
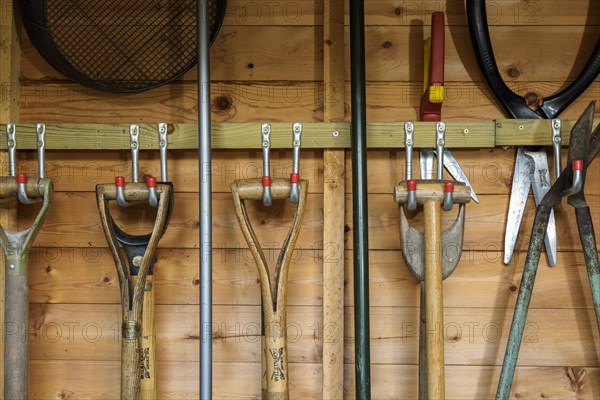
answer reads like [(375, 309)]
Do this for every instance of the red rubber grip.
[(577, 165), (449, 187), (294, 178), (411, 185), (266, 181), (120, 181), (151, 182), (21, 178)]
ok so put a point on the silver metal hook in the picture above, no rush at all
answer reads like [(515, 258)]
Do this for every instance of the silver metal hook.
[(134, 133), (120, 185), (41, 146), (152, 194), (577, 177), (295, 176), (411, 200), (266, 178), (448, 196), (556, 144), (409, 129), (440, 129), (163, 143), (11, 143)]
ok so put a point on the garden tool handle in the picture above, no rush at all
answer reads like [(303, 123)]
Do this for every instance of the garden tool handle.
[(16, 343), (434, 308), (275, 359), (148, 383), (252, 189), (590, 252), (432, 190), (433, 85)]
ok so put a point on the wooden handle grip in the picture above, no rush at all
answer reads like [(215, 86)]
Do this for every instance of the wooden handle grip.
[(133, 191), (9, 187), (148, 384), (252, 189), (275, 363), (130, 362), (432, 190)]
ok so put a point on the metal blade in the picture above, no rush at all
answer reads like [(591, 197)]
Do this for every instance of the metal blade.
[(454, 169), (518, 199), (426, 162), (540, 183)]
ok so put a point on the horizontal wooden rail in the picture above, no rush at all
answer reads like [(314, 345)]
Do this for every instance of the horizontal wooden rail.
[(484, 134)]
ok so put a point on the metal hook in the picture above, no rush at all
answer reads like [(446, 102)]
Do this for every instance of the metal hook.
[(41, 146), (440, 128), (556, 144), (577, 176), (266, 178), (295, 175), (411, 201), (152, 194), (11, 143), (448, 196), (134, 131), (408, 144), (163, 143), (120, 185)]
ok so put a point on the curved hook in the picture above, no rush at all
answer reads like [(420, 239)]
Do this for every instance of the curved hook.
[(152, 194), (120, 184)]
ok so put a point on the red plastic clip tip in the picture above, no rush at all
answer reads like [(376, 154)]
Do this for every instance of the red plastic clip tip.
[(411, 185), (294, 178), (448, 187), (577, 165), (120, 181), (21, 178), (151, 182), (266, 181)]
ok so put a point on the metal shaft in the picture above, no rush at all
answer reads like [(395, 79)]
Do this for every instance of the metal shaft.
[(359, 201), (523, 299), (204, 153)]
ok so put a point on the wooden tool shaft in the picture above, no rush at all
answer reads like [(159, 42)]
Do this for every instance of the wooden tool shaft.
[(130, 361), (275, 364), (16, 345), (9, 187), (434, 309), (252, 189), (148, 384), (432, 190)]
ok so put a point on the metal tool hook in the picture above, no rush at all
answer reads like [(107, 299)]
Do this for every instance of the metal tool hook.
[(556, 144), (409, 129), (152, 194), (163, 143), (41, 147), (120, 185), (134, 131), (11, 143), (440, 129), (295, 175), (266, 178), (577, 177)]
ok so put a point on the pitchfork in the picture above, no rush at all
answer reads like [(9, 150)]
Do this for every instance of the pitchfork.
[(16, 247), (135, 267)]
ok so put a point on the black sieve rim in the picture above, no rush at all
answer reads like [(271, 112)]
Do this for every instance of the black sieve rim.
[(114, 46)]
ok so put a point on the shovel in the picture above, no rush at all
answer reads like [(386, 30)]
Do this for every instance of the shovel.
[(16, 247), (135, 262)]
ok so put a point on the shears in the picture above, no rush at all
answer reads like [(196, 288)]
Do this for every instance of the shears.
[(531, 165)]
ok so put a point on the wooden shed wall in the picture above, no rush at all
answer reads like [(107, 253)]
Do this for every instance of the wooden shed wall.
[(267, 65)]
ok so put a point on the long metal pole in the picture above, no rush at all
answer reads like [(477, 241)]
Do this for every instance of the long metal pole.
[(204, 153), (359, 201)]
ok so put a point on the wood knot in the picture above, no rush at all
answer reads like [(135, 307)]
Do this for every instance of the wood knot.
[(64, 394), (513, 288), (513, 71), (398, 11), (195, 224), (250, 65), (222, 103), (347, 228), (48, 269), (106, 279), (196, 281), (387, 44), (533, 100), (328, 42)]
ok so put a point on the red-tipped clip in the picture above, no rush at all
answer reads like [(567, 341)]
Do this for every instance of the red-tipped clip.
[(266, 181), (294, 178), (449, 187), (577, 176), (151, 182), (21, 178), (120, 181), (448, 194), (411, 201)]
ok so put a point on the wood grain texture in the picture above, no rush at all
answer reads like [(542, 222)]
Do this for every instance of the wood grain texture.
[(390, 382), (87, 275)]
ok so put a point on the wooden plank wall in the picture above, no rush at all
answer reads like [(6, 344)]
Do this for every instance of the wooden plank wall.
[(267, 65)]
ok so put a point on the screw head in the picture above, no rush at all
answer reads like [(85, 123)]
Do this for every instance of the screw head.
[(521, 127), (440, 141), (335, 133), (134, 146), (557, 139), (440, 127), (11, 266), (40, 143), (296, 128), (409, 128), (265, 144), (265, 129), (134, 131), (137, 261), (162, 143), (11, 143), (556, 124), (499, 125), (296, 143), (409, 142), (466, 131)]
